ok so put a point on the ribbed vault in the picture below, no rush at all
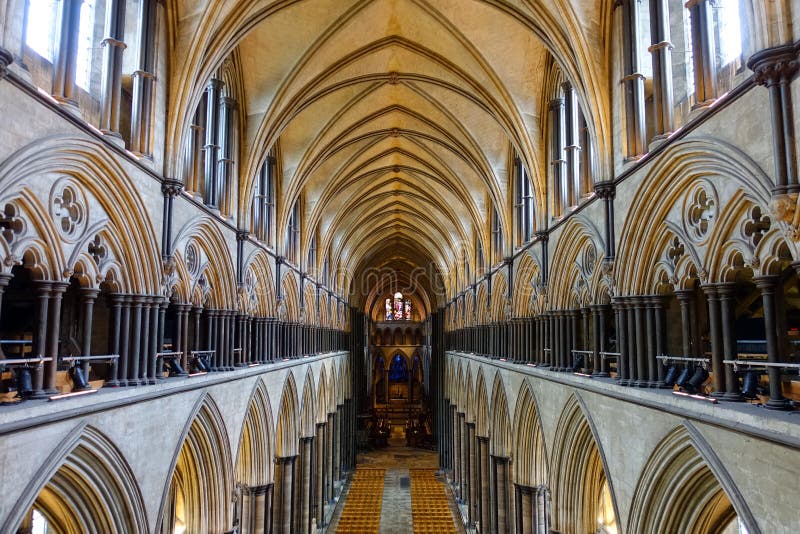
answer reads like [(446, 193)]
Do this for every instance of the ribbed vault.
[(395, 122)]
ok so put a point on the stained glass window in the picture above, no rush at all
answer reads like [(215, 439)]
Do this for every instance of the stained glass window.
[(397, 308)]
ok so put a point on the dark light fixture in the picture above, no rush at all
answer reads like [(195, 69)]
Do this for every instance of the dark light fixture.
[(174, 367), (750, 385), (79, 382), (672, 375)]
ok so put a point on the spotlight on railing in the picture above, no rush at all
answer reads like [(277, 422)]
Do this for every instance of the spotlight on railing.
[(750, 385)]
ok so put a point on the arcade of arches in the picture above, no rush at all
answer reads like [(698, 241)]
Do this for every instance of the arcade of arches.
[(557, 243)]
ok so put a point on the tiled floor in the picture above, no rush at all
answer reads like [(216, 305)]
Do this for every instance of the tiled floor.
[(397, 459)]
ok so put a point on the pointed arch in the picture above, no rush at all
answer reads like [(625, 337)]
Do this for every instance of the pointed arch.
[(481, 406), (308, 408), (527, 278), (499, 298), (199, 488), (530, 453), (684, 488), (578, 471), (87, 486), (500, 430), (291, 297), (254, 458), (322, 396), (287, 426)]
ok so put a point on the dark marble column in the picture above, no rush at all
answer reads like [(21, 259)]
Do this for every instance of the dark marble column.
[(632, 80), (88, 298), (717, 349), (767, 285), (472, 469), (115, 308), (125, 340), (642, 367), (775, 68), (622, 341), (40, 336), (727, 300), (305, 508)]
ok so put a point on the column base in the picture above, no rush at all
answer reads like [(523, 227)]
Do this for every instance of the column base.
[(733, 397), (111, 384), (661, 385), (600, 374), (40, 394), (717, 394), (625, 382), (641, 384), (778, 404)]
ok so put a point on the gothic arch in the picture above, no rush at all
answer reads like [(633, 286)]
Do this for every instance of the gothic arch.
[(87, 486), (322, 396), (530, 453), (687, 167), (578, 471), (308, 408), (574, 267), (499, 298), (500, 430), (259, 288), (291, 298), (103, 201), (684, 488), (200, 485), (254, 459), (287, 431), (469, 395), (204, 257), (527, 277), (481, 406)]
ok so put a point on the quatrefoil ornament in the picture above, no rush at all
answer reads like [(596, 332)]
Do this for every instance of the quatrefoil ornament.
[(68, 209), (701, 212)]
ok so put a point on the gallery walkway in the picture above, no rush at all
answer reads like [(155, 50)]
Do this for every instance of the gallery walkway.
[(409, 484)]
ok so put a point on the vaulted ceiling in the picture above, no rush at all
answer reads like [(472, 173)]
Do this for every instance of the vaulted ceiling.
[(395, 121)]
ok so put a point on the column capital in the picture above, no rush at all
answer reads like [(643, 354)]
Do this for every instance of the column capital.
[(6, 59), (242, 235), (541, 236), (171, 187), (774, 65), (605, 189), (766, 283)]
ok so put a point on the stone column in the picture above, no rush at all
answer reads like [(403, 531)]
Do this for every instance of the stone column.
[(717, 349), (571, 149), (40, 336), (686, 300), (144, 334), (115, 305), (767, 286), (597, 333), (463, 475), (135, 340), (66, 61), (472, 468), (319, 476), (124, 342), (282, 505), (329, 459), (703, 52), (113, 47), (500, 499), (88, 297), (633, 80), (524, 509), (661, 53), (633, 370), (642, 367), (144, 80), (727, 300), (622, 341), (53, 333), (483, 483), (557, 156), (775, 68)]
